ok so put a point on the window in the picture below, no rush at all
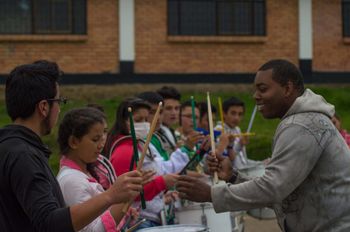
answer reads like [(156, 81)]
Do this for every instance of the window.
[(346, 17), (42, 16), (216, 17)]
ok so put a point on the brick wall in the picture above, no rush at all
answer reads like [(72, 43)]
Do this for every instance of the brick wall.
[(158, 53), (331, 52), (96, 53)]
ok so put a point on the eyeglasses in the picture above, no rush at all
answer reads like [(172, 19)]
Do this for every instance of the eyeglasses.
[(188, 116), (60, 101)]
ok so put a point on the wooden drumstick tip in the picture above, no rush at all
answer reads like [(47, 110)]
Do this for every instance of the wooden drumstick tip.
[(160, 103), (129, 109)]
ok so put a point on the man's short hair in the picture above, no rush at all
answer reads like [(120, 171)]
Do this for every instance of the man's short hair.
[(284, 71), (168, 92), (151, 97), (29, 84), (232, 101)]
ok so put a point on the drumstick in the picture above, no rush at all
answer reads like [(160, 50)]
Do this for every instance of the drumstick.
[(221, 115), (193, 106), (240, 135), (136, 225), (211, 130), (194, 160), (136, 153), (145, 147), (252, 119), (149, 136)]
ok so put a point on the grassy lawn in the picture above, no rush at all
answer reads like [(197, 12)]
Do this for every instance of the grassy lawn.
[(110, 96)]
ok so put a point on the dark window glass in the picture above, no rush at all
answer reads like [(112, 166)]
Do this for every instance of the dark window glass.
[(216, 17), (197, 18), (42, 16), (346, 17), (15, 16)]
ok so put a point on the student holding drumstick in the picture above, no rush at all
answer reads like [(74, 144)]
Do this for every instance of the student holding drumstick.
[(233, 113)]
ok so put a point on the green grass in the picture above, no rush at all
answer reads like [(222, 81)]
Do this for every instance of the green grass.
[(110, 96)]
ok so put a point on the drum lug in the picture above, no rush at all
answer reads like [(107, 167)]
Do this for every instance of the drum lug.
[(204, 219)]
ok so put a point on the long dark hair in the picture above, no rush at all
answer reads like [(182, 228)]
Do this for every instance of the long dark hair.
[(121, 117), (77, 123)]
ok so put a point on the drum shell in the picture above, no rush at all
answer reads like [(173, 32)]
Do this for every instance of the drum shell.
[(192, 213)]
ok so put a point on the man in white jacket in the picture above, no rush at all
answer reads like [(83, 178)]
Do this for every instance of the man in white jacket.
[(307, 181)]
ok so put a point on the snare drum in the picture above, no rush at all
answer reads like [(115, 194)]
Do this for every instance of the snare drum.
[(203, 213), (176, 228), (261, 213)]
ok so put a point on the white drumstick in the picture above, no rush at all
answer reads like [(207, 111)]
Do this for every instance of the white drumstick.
[(211, 130), (252, 119)]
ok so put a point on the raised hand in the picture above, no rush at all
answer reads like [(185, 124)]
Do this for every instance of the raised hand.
[(170, 197), (223, 143), (193, 138), (126, 187), (147, 176), (220, 164), (244, 140), (170, 180)]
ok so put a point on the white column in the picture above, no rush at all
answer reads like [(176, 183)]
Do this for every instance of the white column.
[(126, 30), (305, 29)]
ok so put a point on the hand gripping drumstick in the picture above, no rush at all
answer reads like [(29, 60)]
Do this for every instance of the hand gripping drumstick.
[(145, 147), (211, 129), (135, 153)]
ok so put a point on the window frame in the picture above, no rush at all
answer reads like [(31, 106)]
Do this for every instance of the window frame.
[(218, 33), (69, 31), (343, 3)]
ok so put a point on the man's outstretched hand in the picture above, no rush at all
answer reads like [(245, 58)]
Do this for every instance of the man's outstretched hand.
[(193, 189)]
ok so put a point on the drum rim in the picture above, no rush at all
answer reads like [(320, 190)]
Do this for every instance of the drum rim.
[(199, 226)]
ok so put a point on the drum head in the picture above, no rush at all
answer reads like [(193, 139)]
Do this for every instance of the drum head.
[(176, 228)]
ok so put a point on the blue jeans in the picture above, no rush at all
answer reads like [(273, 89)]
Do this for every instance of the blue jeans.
[(147, 224)]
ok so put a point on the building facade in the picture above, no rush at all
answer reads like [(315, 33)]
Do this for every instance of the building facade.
[(177, 39)]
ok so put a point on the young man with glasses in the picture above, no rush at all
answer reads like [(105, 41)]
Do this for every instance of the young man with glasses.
[(30, 197), (185, 134)]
